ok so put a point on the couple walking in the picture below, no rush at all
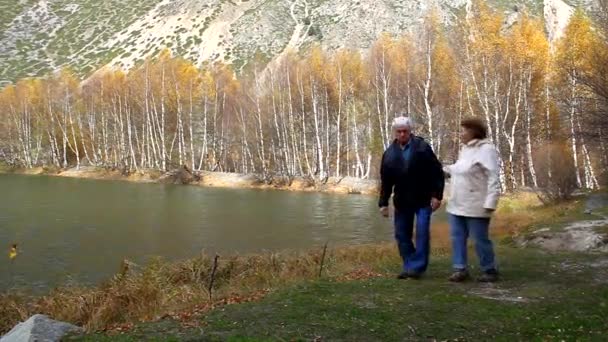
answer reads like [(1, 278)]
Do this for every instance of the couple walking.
[(411, 173)]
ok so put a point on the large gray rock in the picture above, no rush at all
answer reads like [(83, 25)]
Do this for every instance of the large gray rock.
[(40, 328)]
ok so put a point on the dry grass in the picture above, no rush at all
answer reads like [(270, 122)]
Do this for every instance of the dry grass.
[(144, 294), (520, 211)]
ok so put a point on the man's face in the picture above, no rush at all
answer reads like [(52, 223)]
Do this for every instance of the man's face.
[(403, 135)]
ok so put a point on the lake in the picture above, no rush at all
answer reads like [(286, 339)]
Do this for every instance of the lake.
[(79, 230)]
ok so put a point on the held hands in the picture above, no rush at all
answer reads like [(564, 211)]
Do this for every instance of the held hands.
[(435, 204)]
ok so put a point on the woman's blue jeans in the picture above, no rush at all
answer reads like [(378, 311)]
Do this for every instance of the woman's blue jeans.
[(460, 228)]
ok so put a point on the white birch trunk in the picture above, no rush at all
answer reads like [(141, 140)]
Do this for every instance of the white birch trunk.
[(426, 94)]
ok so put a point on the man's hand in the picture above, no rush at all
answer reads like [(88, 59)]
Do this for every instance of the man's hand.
[(384, 211), (435, 204)]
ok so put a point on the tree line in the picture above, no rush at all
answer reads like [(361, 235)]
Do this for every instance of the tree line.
[(322, 114)]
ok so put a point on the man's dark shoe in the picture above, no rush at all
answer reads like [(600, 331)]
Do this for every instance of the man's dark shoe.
[(459, 276), (409, 274), (403, 275), (414, 275), (488, 276)]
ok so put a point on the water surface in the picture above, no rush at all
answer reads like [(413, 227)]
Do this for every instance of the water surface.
[(79, 230)]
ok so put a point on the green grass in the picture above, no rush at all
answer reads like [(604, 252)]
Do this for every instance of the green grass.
[(4, 167), (557, 304)]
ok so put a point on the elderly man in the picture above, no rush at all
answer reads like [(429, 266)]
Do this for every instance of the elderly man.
[(410, 170)]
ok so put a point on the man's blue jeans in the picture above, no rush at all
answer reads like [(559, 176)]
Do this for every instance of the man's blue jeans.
[(460, 228), (415, 258)]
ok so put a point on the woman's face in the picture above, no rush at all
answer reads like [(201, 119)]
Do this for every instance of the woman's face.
[(466, 135)]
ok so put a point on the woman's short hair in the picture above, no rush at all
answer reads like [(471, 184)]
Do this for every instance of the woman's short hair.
[(476, 126)]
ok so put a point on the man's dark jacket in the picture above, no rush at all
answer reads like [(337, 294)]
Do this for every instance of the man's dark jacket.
[(413, 182)]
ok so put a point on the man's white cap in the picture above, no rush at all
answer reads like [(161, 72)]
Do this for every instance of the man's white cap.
[(402, 122)]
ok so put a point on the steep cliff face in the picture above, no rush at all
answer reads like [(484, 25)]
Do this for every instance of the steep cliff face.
[(556, 14), (40, 36)]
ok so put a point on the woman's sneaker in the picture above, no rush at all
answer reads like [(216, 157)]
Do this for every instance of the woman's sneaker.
[(459, 276), (488, 276)]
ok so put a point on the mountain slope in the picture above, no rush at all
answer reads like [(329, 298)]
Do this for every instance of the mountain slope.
[(40, 36)]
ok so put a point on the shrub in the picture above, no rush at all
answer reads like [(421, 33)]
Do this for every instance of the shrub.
[(556, 173)]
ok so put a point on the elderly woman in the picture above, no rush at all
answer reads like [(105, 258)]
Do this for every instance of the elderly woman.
[(474, 195), (410, 170)]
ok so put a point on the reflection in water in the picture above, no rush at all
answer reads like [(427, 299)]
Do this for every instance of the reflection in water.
[(80, 230)]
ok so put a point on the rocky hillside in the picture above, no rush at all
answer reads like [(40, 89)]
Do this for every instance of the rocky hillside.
[(39, 36)]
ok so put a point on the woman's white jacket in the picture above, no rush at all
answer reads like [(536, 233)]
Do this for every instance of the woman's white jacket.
[(475, 185)]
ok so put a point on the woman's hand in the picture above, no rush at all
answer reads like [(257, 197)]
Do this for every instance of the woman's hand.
[(435, 204), (384, 211)]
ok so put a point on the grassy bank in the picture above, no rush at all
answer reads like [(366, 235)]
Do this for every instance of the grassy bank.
[(179, 292), (345, 185), (541, 297), (162, 288), (5, 168)]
